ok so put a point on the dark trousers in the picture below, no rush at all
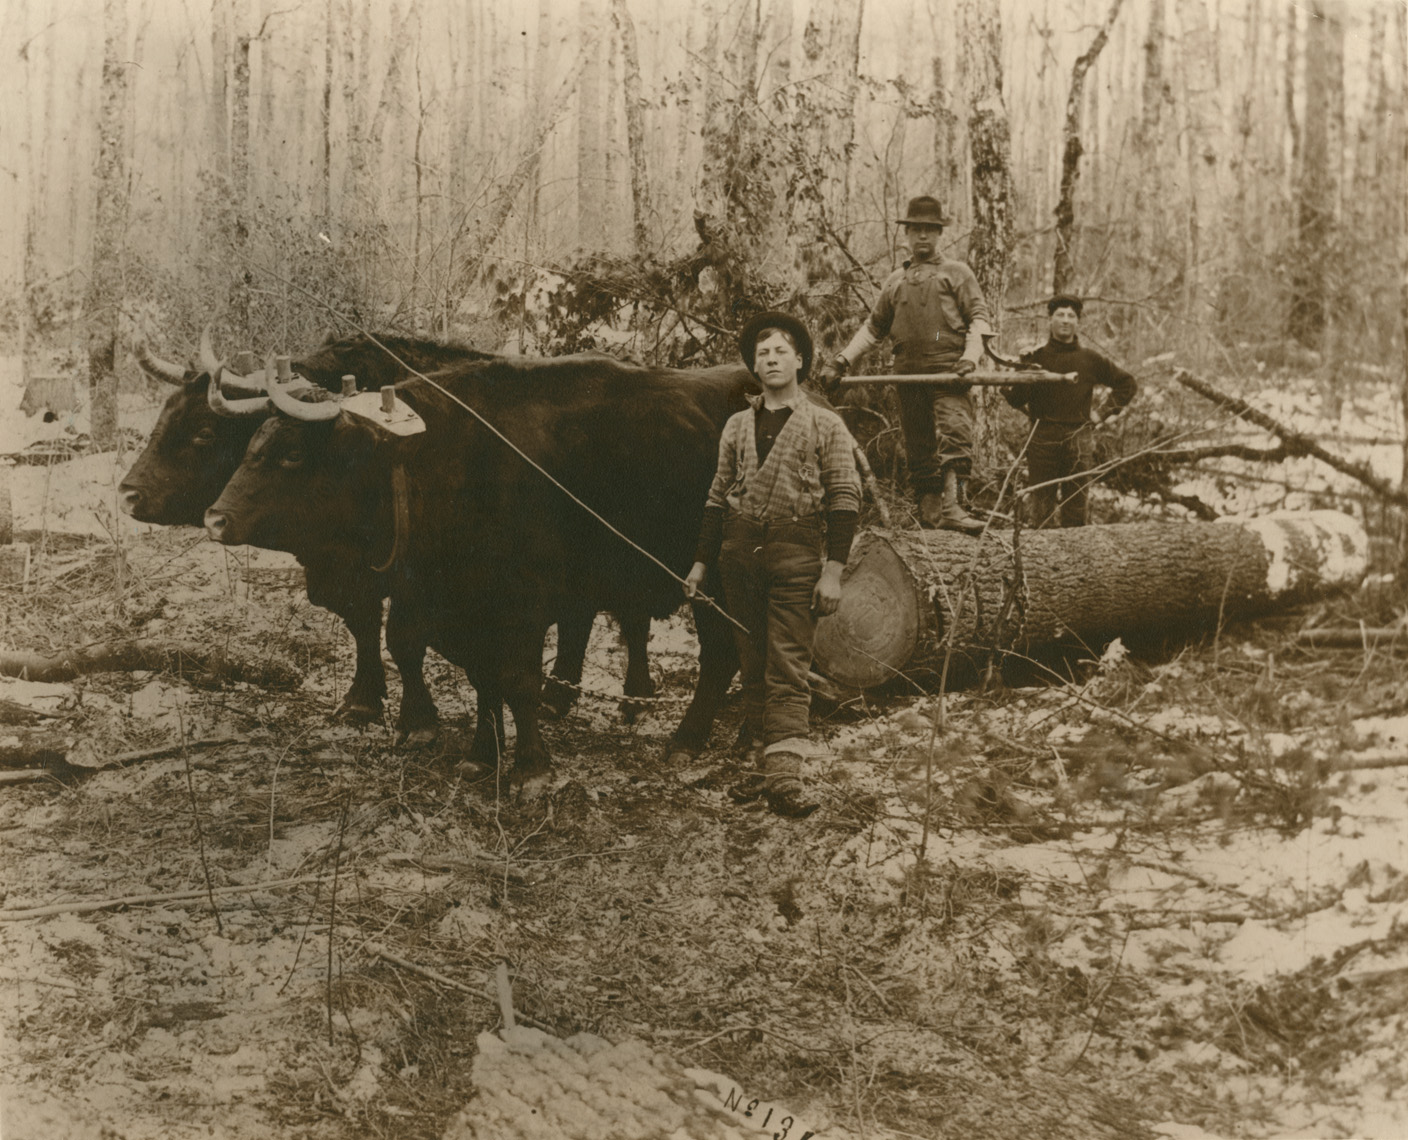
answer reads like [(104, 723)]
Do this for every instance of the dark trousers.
[(937, 422), (769, 571), (1060, 451)]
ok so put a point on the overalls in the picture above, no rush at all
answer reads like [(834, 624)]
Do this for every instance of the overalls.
[(929, 333)]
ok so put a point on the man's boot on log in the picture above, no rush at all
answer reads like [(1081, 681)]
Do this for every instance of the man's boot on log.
[(945, 512)]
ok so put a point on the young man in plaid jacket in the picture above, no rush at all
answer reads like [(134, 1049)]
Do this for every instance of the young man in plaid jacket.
[(780, 518)]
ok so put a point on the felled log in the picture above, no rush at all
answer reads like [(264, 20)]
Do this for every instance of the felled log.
[(1353, 637), (198, 663), (907, 595)]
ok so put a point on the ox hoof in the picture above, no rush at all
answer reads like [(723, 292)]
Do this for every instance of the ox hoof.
[(531, 788), (678, 757), (356, 713), (416, 737)]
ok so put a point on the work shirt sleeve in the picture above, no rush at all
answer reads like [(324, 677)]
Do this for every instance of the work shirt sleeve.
[(971, 302), (876, 327), (1122, 385), (841, 481), (711, 529)]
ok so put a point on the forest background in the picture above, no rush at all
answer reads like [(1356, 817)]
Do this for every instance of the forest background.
[(1224, 178)]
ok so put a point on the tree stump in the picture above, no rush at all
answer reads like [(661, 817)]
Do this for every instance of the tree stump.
[(907, 594)]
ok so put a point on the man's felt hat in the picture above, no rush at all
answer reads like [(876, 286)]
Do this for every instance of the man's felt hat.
[(926, 211), (748, 338), (1064, 301)]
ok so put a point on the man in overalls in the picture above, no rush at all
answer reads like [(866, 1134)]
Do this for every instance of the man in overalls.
[(934, 311), (779, 519)]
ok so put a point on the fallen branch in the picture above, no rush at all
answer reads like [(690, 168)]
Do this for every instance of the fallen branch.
[(459, 863), (435, 976), (1351, 637), (200, 663), (81, 907), (1372, 764), (40, 755), (1296, 444)]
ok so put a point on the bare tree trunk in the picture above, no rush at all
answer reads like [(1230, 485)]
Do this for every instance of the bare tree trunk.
[(1401, 23), (591, 157), (325, 174), (104, 296), (16, 168), (1317, 188), (219, 119), (709, 196), (239, 177), (1292, 124), (1203, 157), (1064, 277), (635, 126), (391, 85), (990, 150)]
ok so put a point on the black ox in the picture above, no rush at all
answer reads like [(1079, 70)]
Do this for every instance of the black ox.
[(489, 551), (198, 443)]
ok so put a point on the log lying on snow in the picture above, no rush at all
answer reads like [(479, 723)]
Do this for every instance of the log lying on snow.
[(905, 593), (200, 663)]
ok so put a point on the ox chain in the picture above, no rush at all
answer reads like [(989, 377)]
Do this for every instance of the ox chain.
[(617, 698)]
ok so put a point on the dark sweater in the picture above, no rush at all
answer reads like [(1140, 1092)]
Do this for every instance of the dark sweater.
[(1070, 403)]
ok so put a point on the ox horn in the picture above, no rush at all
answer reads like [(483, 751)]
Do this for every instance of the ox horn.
[(290, 405), (234, 409), (208, 361), (156, 367)]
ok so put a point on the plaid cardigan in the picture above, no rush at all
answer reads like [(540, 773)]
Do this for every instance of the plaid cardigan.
[(811, 468)]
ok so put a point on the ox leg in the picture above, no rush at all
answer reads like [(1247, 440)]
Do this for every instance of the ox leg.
[(635, 632), (718, 662), (418, 721), (355, 598), (574, 630), (487, 748), (522, 678)]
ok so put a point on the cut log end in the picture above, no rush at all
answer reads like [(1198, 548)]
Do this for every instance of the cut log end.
[(906, 594)]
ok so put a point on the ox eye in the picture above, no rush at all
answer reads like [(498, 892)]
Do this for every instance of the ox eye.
[(205, 437), (291, 459)]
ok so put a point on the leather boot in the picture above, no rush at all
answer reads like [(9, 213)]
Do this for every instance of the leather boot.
[(954, 517)]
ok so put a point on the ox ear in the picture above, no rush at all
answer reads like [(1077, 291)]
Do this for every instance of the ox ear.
[(329, 337)]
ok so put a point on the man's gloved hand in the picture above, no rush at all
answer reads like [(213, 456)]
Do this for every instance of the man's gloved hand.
[(965, 366), (829, 376)]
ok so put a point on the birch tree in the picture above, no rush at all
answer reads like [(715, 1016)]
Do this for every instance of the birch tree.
[(1202, 155)]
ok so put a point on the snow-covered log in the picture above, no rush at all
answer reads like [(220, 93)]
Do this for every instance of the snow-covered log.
[(905, 593)]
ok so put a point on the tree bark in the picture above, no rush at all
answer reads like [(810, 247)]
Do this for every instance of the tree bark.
[(16, 168), (219, 106), (635, 126), (907, 596), (1401, 23), (990, 150), (1318, 183), (104, 294), (591, 155), (1064, 276), (1203, 156)]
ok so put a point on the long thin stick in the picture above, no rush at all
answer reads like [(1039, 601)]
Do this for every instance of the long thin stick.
[(988, 378), (79, 907)]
